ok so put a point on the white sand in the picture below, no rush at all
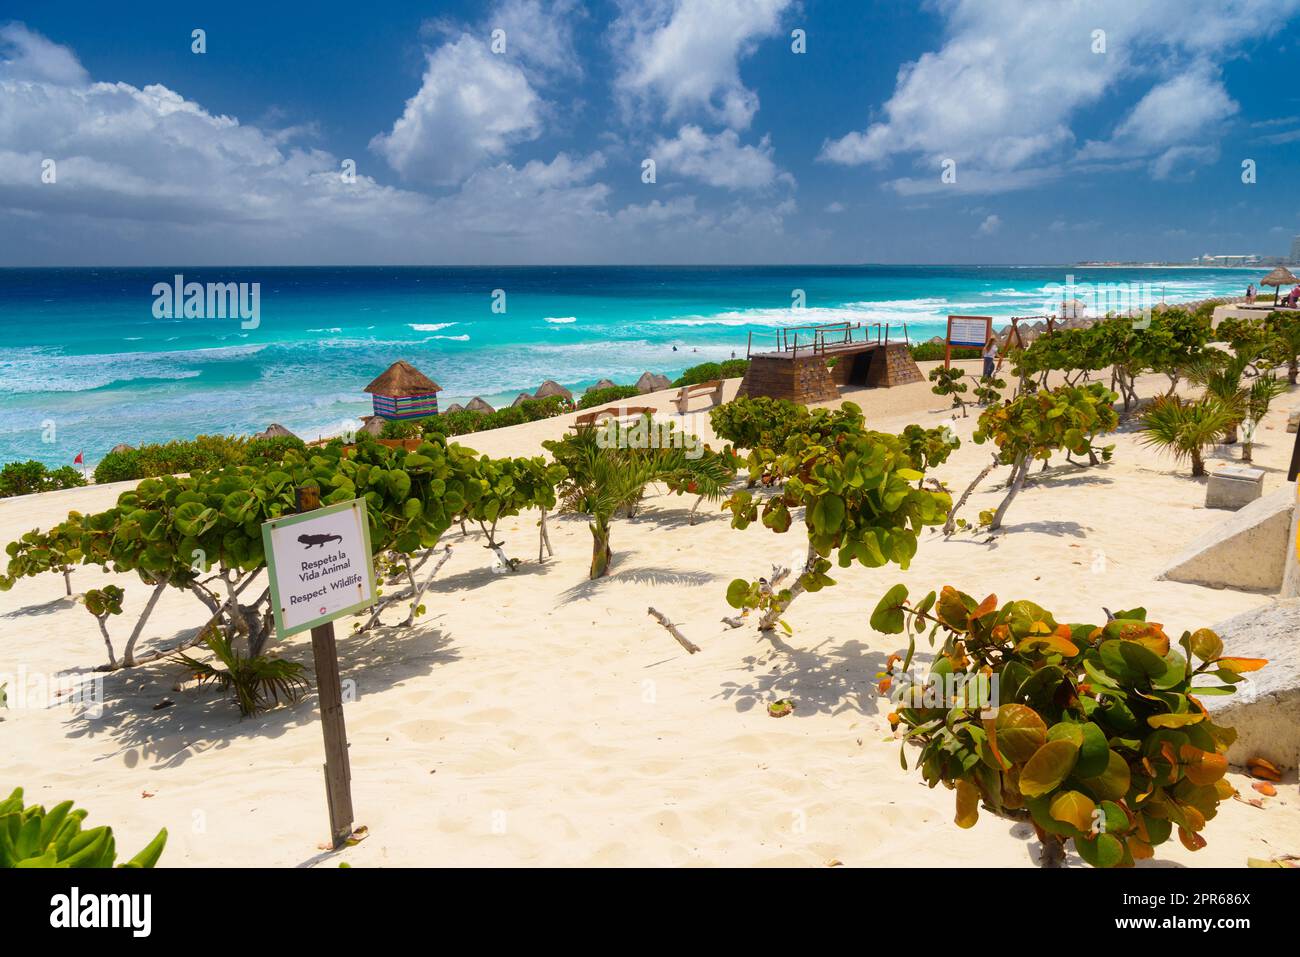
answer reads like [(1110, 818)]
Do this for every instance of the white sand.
[(539, 718)]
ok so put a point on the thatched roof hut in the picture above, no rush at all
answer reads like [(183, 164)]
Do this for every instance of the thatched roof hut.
[(275, 431), (454, 407), (478, 405), (371, 425), (120, 447), (649, 382), (404, 392), (550, 387), (1279, 277), (602, 384), (522, 397)]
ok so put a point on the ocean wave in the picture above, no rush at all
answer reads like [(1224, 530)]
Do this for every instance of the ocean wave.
[(560, 320), (24, 375), (428, 326), (331, 329)]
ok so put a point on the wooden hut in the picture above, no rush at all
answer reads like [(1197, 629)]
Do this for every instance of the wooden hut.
[(602, 384), (454, 407), (372, 425), (478, 405), (1279, 277), (522, 397), (404, 392), (550, 387)]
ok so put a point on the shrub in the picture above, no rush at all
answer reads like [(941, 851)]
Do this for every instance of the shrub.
[(947, 382), (402, 428), (708, 371), (465, 421), (934, 352), (1092, 732), (24, 478), (610, 394), (33, 837), (272, 450), (118, 467)]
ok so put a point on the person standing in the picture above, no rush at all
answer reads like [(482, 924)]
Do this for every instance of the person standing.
[(990, 353)]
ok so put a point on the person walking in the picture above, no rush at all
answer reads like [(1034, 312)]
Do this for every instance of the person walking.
[(990, 353)]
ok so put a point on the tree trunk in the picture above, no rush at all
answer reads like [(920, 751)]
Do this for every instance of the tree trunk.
[(67, 580), (600, 553), (694, 507), (128, 656), (1230, 435), (1198, 464), (108, 643), (1018, 472), (1292, 368), (950, 526), (543, 540), (1246, 451), (774, 613)]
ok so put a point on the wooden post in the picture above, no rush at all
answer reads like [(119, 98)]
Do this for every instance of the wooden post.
[(329, 691)]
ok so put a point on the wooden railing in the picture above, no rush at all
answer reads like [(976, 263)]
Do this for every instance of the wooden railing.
[(817, 340)]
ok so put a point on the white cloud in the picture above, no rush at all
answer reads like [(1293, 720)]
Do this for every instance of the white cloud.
[(834, 207), (29, 56), (685, 54), (992, 223), (718, 160), (1000, 93), (472, 106)]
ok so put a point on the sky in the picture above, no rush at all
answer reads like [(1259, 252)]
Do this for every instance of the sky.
[(647, 131)]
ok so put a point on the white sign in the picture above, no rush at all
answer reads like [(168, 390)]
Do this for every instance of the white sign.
[(967, 331), (320, 565)]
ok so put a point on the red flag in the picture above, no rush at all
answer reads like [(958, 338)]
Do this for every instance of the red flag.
[(77, 460)]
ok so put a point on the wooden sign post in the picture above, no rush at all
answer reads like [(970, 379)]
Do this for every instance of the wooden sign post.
[(966, 331), (321, 569)]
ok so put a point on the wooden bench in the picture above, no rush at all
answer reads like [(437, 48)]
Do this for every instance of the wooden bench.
[(712, 388), (618, 412)]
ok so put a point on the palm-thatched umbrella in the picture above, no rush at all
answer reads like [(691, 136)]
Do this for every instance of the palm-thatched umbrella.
[(1279, 277), (454, 407), (404, 392), (649, 382), (522, 397), (274, 431), (371, 425), (478, 405), (550, 387), (602, 384)]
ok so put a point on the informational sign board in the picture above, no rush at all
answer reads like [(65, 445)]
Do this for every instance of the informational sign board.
[(966, 331), (320, 565), (969, 330)]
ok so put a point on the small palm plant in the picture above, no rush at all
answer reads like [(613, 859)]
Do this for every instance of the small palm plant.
[(1224, 378), (1184, 428), (258, 682), (1262, 392)]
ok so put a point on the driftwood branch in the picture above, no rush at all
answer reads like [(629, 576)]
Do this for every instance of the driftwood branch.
[(673, 630)]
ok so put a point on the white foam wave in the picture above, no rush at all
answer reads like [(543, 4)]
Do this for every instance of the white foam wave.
[(561, 320), (429, 326)]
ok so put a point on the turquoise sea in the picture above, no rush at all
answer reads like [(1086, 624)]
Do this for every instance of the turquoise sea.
[(85, 363)]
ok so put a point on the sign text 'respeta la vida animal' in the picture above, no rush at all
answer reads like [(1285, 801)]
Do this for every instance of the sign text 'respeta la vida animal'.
[(320, 565)]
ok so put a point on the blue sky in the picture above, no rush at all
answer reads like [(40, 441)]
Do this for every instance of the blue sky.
[(1106, 129)]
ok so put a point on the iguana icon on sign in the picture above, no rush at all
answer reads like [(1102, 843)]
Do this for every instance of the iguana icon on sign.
[(314, 540)]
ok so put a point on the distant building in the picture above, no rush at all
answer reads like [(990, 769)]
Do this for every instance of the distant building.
[(1230, 260), (1295, 249)]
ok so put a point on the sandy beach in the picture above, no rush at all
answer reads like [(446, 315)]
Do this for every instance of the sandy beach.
[(539, 718)]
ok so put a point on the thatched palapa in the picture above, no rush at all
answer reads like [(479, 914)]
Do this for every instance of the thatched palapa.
[(275, 431), (602, 384), (522, 397), (550, 387), (404, 392), (478, 405), (649, 382), (1279, 277)]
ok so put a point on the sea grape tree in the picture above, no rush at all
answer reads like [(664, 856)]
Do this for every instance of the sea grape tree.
[(1034, 425), (859, 504), (1095, 733)]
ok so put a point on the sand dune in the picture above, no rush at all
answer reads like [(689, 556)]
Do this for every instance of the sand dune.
[(539, 718)]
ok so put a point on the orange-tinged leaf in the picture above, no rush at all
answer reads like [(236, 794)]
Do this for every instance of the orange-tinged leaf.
[(1140, 850), (968, 803), (1202, 768), (1074, 808), (1048, 767), (1174, 720), (989, 604), (884, 685), (1263, 768), (1264, 788), (1241, 665), (1191, 840), (1021, 732), (1048, 644)]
